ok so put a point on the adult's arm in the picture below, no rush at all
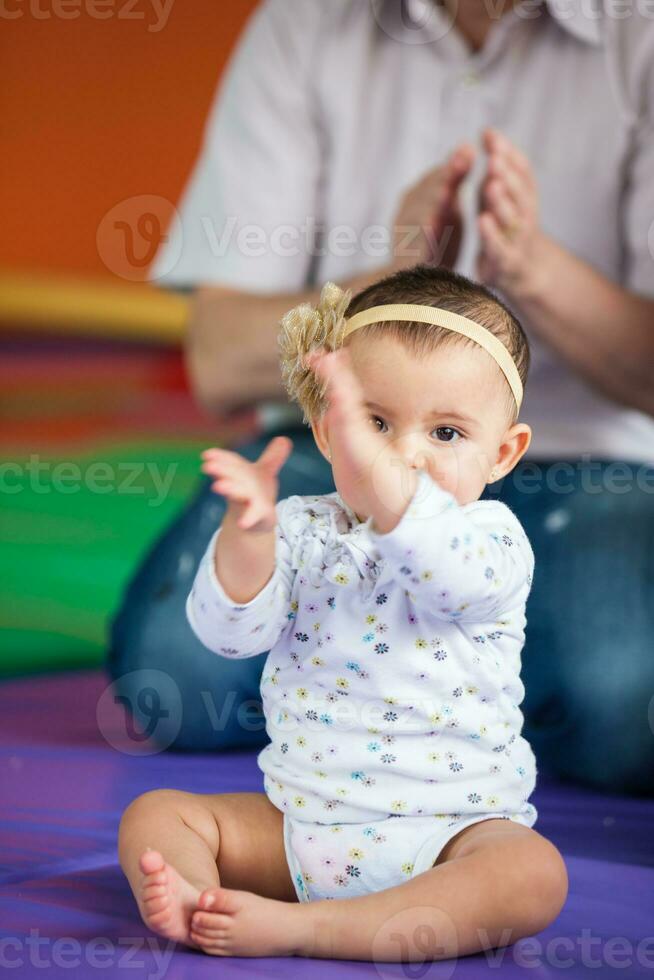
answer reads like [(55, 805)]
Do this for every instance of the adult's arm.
[(604, 329), (607, 330), (232, 357)]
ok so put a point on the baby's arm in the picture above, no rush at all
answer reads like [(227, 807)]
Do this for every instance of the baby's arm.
[(460, 565), (240, 598), (243, 560)]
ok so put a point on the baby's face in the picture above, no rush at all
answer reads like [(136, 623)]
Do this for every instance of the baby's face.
[(448, 406)]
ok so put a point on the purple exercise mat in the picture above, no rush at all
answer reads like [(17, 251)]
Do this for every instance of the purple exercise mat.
[(67, 911)]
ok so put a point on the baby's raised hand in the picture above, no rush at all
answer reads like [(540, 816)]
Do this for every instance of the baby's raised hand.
[(349, 421), (369, 471), (250, 487)]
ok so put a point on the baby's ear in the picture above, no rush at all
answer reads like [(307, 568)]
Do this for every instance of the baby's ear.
[(308, 360), (319, 430), (515, 444)]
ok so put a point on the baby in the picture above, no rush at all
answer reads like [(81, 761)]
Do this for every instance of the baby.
[(395, 823)]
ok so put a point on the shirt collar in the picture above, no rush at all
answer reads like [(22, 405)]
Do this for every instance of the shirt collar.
[(581, 18)]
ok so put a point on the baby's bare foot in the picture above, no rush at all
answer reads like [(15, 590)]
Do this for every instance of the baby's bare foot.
[(166, 900), (234, 923)]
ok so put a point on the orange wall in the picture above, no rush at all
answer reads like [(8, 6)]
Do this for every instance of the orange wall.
[(98, 111)]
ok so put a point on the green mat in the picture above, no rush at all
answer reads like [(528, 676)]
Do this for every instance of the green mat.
[(71, 536)]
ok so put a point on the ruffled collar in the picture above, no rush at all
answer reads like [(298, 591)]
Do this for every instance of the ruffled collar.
[(333, 544)]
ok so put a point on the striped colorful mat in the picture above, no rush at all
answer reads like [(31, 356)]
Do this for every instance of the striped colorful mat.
[(99, 452)]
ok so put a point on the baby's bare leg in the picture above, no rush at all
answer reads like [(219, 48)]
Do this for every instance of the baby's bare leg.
[(495, 882), (174, 844)]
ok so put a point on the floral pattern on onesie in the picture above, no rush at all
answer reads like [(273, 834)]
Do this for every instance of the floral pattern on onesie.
[(392, 683)]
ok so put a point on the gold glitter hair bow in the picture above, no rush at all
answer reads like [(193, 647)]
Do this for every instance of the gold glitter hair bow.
[(307, 328)]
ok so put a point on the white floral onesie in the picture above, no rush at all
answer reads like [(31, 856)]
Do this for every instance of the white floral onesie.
[(392, 687)]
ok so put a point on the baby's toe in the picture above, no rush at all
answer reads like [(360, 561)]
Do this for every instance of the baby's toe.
[(156, 903), (215, 946), (207, 899), (218, 900), (207, 935), (151, 862), (151, 889), (210, 923), (160, 917)]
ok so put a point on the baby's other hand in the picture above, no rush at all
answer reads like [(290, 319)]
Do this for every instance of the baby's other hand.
[(251, 488), (349, 420)]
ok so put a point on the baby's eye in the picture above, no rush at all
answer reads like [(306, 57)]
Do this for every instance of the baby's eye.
[(445, 433), (375, 419)]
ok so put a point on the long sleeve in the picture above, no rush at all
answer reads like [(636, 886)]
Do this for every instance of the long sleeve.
[(241, 630), (459, 563)]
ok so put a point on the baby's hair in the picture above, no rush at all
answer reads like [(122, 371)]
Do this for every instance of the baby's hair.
[(306, 328)]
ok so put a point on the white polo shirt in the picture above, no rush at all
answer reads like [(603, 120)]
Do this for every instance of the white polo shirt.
[(329, 111)]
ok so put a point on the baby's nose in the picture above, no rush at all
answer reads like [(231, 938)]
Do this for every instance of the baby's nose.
[(413, 452)]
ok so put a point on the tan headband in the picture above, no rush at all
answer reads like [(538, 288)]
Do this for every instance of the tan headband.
[(451, 321)]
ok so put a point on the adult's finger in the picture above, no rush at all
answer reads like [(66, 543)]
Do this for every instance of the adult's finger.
[(497, 251), (440, 184), (503, 206), (519, 190), (495, 142)]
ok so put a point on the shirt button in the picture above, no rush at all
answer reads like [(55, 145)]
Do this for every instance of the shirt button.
[(470, 79)]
